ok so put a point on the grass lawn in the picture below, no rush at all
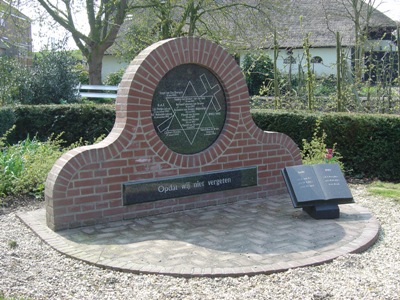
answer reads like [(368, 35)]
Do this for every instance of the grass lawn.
[(385, 189)]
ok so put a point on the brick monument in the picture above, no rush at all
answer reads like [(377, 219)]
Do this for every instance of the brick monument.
[(183, 138)]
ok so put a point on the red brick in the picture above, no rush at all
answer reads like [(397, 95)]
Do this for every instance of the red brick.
[(164, 203), (86, 183), (141, 206), (140, 176), (88, 207), (87, 191), (74, 209), (115, 195), (73, 193), (114, 179), (85, 174), (212, 167), (86, 199), (114, 164), (114, 211), (189, 171), (101, 205), (89, 215), (166, 173), (232, 165)]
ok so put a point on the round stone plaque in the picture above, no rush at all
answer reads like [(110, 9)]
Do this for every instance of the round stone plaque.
[(188, 109)]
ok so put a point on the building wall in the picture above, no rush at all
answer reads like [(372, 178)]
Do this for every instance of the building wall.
[(328, 55), (15, 33), (325, 68), (111, 64)]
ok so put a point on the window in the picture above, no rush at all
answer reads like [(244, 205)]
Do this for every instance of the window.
[(290, 60), (316, 60)]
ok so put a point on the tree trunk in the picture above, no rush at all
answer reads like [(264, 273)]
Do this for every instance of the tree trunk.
[(95, 68)]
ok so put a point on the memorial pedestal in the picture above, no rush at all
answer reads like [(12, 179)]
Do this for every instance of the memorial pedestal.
[(325, 211)]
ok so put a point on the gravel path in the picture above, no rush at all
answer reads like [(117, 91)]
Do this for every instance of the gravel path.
[(29, 269)]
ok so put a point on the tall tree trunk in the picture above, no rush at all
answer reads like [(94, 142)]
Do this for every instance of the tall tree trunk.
[(95, 63)]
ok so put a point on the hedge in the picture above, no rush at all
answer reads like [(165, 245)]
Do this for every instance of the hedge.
[(73, 121), (368, 143)]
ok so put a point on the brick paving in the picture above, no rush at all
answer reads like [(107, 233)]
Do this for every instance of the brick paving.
[(246, 237)]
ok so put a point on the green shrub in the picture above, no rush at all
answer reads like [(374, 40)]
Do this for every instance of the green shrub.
[(7, 119), (367, 143), (325, 86), (24, 166), (316, 150), (75, 121), (82, 72), (54, 78), (115, 77), (15, 82), (258, 71)]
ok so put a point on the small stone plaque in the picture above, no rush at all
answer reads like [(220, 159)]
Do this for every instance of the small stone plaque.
[(153, 190), (319, 184), (188, 109)]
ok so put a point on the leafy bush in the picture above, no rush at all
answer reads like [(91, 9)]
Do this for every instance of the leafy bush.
[(52, 78), (15, 81), (115, 77), (83, 73), (316, 150), (7, 119), (24, 166), (325, 86), (258, 70)]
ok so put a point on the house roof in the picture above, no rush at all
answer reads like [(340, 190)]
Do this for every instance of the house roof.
[(294, 19), (322, 19)]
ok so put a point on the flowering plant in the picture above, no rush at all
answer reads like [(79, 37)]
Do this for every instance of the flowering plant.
[(329, 155), (317, 152)]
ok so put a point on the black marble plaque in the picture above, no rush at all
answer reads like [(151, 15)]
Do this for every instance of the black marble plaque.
[(319, 184), (153, 190), (188, 109)]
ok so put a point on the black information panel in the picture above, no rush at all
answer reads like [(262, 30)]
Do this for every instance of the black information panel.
[(153, 190), (188, 109)]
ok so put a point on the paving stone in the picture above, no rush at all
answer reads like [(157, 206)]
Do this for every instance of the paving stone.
[(245, 237)]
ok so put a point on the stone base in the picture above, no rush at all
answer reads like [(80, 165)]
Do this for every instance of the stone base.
[(326, 211)]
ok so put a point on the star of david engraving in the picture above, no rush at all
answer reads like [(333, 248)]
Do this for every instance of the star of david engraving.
[(192, 111)]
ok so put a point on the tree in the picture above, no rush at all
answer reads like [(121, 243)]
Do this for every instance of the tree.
[(231, 23), (104, 19), (168, 18), (360, 12)]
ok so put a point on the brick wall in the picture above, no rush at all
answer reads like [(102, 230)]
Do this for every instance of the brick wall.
[(84, 186)]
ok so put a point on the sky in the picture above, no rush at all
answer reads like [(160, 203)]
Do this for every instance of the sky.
[(390, 7)]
